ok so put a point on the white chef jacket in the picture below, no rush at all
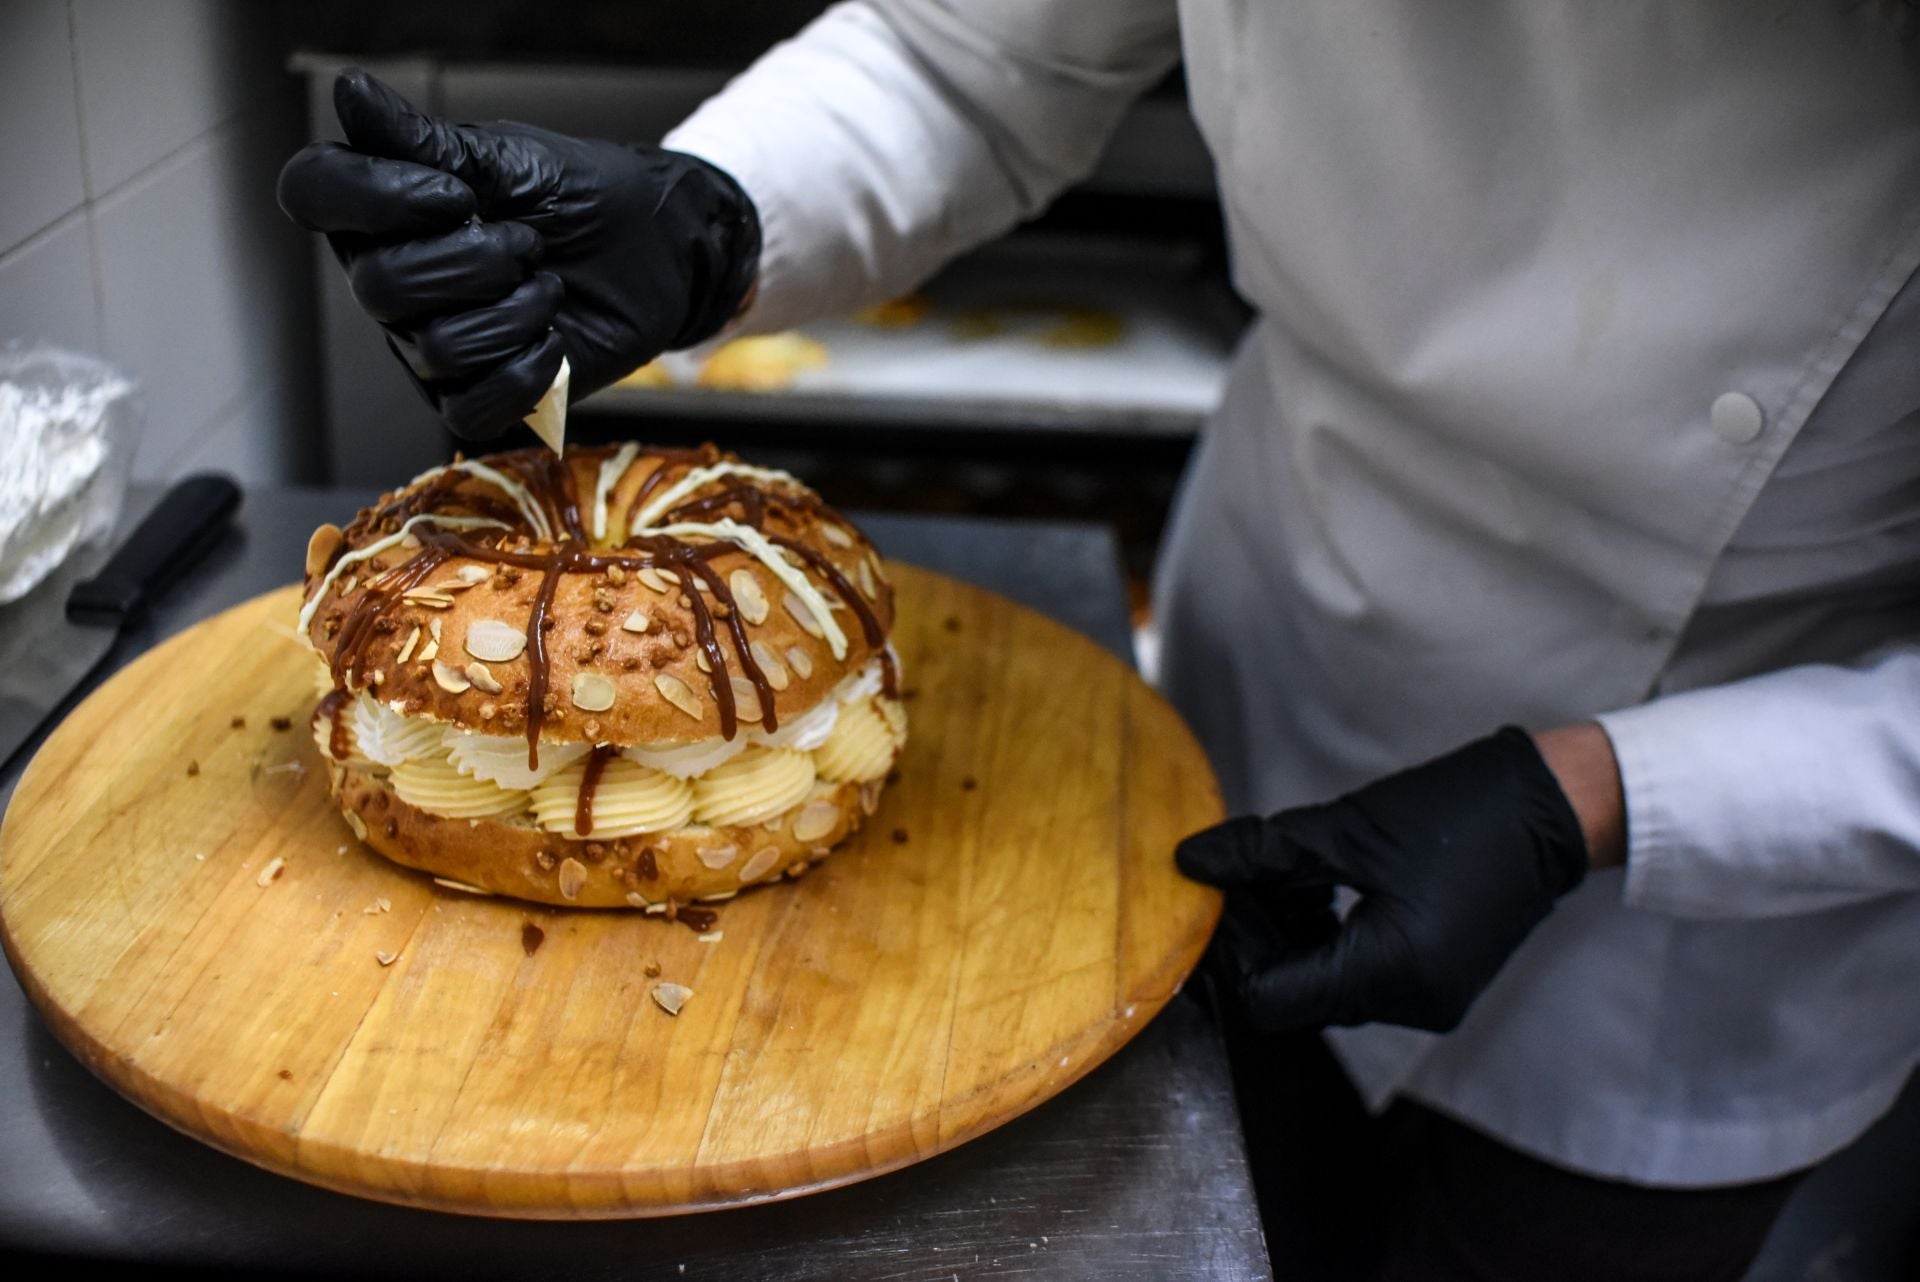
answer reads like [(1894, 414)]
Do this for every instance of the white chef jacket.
[(1584, 384)]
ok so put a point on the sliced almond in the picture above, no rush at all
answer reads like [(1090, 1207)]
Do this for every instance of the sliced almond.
[(320, 549), (669, 576), (356, 823), (747, 595), (495, 641), (746, 700), (679, 694), (349, 583), (868, 588), (637, 900), (651, 577), (638, 621), (701, 661), (274, 868), (406, 651), (802, 614), (770, 666), (802, 661), (450, 678), (671, 997), (835, 535), (386, 958), (432, 647), (869, 798), (592, 692), (711, 937), (815, 820), (573, 875), (473, 574), (463, 887), (758, 863), (482, 678), (410, 541), (719, 856)]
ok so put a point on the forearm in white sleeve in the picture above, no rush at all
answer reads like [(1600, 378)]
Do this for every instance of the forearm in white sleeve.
[(890, 135), (1780, 794)]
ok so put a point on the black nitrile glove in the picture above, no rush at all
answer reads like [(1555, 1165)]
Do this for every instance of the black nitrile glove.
[(1455, 861), (489, 251)]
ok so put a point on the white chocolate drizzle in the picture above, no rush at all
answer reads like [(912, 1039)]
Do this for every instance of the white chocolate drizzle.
[(378, 546), (609, 479), (761, 548), (663, 502), (522, 497)]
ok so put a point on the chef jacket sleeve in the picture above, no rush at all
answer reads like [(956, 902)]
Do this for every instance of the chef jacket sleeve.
[(1786, 793), (890, 135)]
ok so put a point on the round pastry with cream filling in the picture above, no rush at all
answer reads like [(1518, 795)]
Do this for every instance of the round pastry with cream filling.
[(626, 678)]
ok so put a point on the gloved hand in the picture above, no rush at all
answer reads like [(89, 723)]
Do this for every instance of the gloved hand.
[(1455, 861), (489, 251)]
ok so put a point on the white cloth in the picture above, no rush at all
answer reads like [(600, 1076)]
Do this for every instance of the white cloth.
[(1470, 470)]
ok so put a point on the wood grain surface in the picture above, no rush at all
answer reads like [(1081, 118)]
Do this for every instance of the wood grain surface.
[(1008, 919)]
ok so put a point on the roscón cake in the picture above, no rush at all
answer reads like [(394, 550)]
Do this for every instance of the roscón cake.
[(626, 678)]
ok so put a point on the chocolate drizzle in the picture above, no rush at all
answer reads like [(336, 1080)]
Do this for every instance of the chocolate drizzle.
[(332, 705), (590, 783)]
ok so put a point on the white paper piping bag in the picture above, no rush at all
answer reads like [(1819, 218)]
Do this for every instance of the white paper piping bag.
[(549, 417)]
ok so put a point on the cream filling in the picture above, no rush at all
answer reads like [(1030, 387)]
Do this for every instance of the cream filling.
[(386, 737), (685, 760), (864, 743), (805, 732), (628, 799), (852, 736), (436, 787), (323, 740), (758, 784), (502, 759)]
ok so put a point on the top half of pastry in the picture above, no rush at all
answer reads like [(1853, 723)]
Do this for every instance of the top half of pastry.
[(619, 595)]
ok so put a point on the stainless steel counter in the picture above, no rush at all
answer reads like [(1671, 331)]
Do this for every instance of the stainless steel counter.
[(1136, 1172)]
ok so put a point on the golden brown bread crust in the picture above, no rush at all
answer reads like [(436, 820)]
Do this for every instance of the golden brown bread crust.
[(589, 609), (631, 872)]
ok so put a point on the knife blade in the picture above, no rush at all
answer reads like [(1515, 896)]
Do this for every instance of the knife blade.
[(53, 638)]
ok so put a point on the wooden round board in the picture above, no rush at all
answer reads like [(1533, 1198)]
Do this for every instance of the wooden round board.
[(1008, 918)]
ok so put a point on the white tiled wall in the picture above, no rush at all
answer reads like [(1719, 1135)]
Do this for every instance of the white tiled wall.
[(139, 141)]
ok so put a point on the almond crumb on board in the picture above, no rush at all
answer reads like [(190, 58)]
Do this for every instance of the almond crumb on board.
[(386, 958), (271, 872), (712, 937), (671, 997)]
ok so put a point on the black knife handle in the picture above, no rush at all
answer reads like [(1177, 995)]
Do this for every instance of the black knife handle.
[(187, 520)]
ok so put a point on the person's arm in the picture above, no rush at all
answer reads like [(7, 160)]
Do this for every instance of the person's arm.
[(891, 135), (1581, 758), (1786, 793), (1790, 792)]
